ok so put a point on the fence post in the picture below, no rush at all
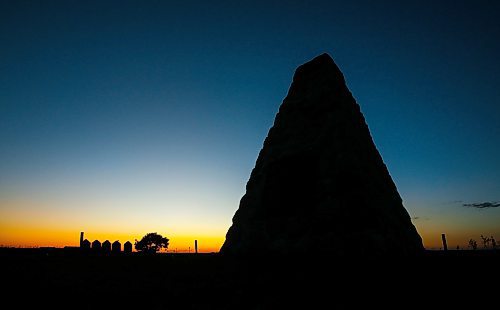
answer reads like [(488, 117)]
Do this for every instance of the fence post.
[(445, 245)]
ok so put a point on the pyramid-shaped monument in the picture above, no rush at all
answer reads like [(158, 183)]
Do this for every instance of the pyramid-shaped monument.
[(319, 184)]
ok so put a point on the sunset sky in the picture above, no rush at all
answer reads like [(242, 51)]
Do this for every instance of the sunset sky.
[(120, 118)]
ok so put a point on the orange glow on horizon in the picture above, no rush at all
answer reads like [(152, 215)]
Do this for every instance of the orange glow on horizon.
[(23, 236), (455, 235), (26, 223), (29, 235)]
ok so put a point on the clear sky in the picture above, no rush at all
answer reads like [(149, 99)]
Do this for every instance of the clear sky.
[(119, 118)]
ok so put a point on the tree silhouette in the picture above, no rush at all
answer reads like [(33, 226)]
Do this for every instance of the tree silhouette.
[(151, 243), (472, 244), (486, 241), (493, 243)]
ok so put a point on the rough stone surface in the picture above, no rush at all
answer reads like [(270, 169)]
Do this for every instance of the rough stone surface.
[(319, 184)]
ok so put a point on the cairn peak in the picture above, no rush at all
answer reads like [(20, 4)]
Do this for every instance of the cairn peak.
[(319, 184)]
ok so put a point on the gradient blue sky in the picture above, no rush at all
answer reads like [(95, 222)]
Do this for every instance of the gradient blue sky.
[(140, 116)]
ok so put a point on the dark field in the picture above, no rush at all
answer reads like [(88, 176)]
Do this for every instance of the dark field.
[(65, 279)]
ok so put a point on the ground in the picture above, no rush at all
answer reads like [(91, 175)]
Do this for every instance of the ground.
[(67, 279)]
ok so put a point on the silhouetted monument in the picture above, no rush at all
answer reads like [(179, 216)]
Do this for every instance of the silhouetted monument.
[(196, 246), (127, 247), (106, 247), (81, 238), (96, 246), (319, 184), (116, 247), (85, 244)]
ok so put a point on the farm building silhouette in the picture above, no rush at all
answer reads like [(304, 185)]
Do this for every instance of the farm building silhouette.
[(104, 248)]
